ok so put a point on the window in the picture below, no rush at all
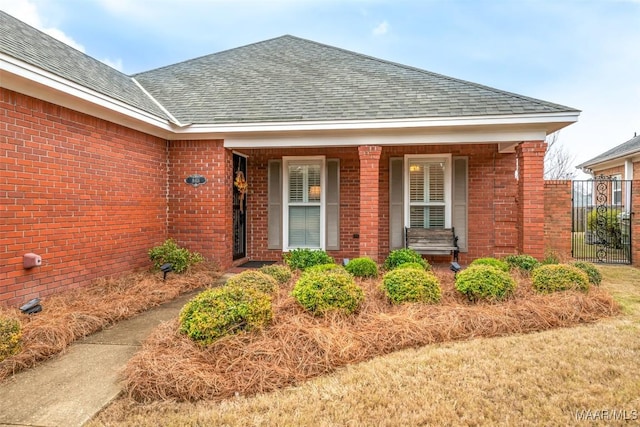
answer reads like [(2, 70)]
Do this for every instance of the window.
[(616, 190), (304, 202), (428, 191)]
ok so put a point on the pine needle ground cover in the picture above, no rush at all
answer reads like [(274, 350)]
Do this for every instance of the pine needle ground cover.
[(72, 315), (298, 346)]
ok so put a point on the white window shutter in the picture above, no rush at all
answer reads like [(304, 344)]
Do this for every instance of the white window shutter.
[(396, 203), (274, 214), (333, 204), (460, 201)]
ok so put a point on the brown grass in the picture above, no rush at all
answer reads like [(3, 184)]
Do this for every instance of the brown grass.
[(69, 316), (297, 346)]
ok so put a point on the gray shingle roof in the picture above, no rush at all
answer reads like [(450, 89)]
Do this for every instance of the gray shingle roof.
[(27, 44), (632, 146), (283, 79), (292, 79)]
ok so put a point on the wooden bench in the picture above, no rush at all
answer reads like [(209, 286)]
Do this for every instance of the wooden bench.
[(432, 241)]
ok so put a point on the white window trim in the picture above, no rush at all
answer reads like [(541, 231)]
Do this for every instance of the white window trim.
[(286, 160), (448, 196), (616, 187)]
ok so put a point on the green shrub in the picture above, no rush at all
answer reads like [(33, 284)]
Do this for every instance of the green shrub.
[(362, 267), (320, 293), (411, 285), (491, 262), (592, 271), (325, 268), (485, 282), (525, 263), (281, 273), (609, 231), (301, 259), (403, 256), (170, 252), (10, 334), (559, 277), (228, 310), (254, 279), (409, 265), (550, 257)]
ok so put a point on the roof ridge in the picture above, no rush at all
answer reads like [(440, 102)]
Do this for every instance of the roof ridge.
[(211, 54)]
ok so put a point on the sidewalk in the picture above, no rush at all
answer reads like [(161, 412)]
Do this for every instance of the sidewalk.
[(71, 388)]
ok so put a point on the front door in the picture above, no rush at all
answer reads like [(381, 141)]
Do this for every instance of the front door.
[(239, 206)]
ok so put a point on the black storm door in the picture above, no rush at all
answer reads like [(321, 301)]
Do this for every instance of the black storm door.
[(239, 206)]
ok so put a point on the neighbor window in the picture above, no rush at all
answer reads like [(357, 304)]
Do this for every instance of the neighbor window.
[(616, 190), (428, 192)]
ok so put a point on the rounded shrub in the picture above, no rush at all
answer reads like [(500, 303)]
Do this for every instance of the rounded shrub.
[(409, 265), (170, 252), (10, 334), (228, 310), (491, 262), (485, 282), (362, 267), (411, 285), (281, 273), (606, 226), (559, 277), (524, 263), (254, 279), (403, 256), (592, 271), (325, 268), (320, 293), (301, 259)]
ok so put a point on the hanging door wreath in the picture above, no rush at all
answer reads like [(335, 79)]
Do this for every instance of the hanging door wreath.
[(241, 184)]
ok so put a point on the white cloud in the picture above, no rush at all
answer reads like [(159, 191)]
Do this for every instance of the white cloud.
[(27, 12), (117, 63), (381, 29)]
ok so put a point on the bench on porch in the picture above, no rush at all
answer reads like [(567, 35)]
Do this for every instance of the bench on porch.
[(432, 241)]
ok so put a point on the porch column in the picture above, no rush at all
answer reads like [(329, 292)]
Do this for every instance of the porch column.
[(369, 200), (531, 198)]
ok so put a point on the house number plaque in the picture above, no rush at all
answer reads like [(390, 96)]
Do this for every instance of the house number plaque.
[(195, 180)]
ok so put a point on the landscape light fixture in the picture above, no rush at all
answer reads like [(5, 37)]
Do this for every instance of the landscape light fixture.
[(455, 267), (165, 268), (31, 307)]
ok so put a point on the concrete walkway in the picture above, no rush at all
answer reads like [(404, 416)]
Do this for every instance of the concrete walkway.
[(71, 388)]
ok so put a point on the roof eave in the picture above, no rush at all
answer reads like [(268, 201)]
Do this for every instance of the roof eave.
[(550, 122), (30, 80)]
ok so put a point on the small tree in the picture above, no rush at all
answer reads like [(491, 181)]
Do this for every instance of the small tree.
[(558, 162)]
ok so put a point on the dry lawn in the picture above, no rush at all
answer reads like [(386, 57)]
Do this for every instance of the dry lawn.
[(69, 316), (541, 378)]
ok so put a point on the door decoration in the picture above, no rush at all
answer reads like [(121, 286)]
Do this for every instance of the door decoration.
[(241, 184)]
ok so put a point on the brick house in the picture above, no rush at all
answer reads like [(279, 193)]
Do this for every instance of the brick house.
[(339, 151)]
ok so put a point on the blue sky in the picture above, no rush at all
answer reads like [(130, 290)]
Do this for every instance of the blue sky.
[(580, 53)]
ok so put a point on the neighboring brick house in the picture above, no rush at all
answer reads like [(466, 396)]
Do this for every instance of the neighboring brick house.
[(621, 162), (339, 150)]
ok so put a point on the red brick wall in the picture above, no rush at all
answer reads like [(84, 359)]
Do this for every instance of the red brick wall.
[(257, 163), (635, 219), (200, 218), (492, 198), (557, 218), (87, 195), (369, 201)]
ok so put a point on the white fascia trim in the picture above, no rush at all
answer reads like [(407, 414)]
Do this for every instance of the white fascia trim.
[(342, 125), (507, 138), (45, 78)]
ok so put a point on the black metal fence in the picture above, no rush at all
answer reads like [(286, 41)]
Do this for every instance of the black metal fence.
[(601, 220)]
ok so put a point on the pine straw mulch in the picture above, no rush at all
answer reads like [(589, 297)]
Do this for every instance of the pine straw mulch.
[(298, 346), (71, 315)]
